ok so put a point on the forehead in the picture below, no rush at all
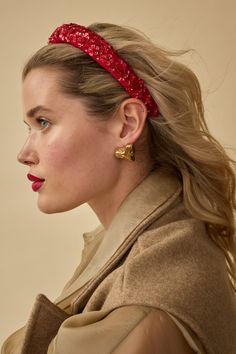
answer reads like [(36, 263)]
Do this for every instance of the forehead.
[(41, 78), (40, 87)]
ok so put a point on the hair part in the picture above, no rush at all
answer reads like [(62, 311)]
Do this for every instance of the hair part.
[(179, 138)]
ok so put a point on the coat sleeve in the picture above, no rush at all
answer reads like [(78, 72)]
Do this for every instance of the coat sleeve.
[(128, 329)]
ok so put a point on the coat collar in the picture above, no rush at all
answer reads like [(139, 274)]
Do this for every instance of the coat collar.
[(142, 206)]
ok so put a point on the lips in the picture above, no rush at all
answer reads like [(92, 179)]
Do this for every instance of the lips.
[(34, 178), (37, 182)]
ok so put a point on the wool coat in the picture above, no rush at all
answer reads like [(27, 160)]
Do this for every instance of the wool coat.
[(154, 255)]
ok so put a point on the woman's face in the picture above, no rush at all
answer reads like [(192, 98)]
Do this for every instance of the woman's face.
[(70, 150)]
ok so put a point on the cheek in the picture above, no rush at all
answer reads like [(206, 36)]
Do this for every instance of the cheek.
[(57, 154), (68, 153), (82, 152)]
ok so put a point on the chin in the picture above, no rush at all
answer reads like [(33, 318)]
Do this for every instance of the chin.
[(53, 208)]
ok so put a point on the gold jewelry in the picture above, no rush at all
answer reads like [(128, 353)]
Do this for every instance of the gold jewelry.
[(125, 152)]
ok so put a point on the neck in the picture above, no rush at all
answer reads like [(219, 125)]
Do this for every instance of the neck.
[(106, 206)]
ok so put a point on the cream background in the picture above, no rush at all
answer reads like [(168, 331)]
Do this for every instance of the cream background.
[(38, 253)]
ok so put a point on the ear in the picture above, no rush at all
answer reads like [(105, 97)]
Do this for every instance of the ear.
[(133, 114)]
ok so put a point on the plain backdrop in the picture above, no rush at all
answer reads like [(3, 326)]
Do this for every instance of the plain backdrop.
[(38, 253)]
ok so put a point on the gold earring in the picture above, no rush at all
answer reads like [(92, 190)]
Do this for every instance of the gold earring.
[(126, 152)]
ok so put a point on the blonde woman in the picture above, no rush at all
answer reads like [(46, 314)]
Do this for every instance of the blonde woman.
[(115, 122)]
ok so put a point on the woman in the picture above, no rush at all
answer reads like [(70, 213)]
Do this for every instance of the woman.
[(122, 128)]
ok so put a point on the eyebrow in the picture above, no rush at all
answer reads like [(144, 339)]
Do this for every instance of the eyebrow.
[(32, 112)]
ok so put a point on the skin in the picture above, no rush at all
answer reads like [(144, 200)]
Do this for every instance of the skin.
[(74, 152)]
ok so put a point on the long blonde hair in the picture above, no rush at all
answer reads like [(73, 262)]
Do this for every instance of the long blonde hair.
[(179, 137)]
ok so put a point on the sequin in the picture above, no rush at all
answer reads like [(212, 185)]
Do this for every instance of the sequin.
[(106, 56)]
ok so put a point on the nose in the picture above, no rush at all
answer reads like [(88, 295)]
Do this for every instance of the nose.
[(28, 155)]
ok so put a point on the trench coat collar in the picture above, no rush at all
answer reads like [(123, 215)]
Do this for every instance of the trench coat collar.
[(142, 206)]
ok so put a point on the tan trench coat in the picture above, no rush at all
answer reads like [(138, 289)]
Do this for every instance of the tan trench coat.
[(154, 268)]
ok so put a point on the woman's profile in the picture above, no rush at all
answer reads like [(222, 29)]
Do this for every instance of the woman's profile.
[(117, 122)]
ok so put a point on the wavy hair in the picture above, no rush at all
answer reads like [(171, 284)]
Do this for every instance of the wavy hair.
[(179, 137)]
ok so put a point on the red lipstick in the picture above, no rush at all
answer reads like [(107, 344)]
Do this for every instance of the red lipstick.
[(37, 182)]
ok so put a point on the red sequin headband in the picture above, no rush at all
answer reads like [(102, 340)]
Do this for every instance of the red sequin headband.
[(106, 56)]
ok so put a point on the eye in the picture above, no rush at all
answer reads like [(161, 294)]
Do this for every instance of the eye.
[(44, 123)]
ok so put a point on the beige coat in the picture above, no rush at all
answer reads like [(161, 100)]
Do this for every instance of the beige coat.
[(153, 263)]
